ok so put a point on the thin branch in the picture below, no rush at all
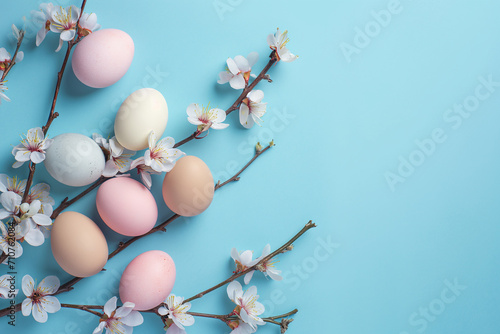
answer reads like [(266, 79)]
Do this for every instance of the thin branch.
[(13, 60), (236, 177), (66, 203), (87, 308), (283, 248), (53, 115), (244, 93)]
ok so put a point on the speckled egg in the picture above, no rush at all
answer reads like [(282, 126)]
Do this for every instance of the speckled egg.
[(78, 244), (103, 57), (147, 280), (126, 206), (188, 189), (143, 111), (74, 160)]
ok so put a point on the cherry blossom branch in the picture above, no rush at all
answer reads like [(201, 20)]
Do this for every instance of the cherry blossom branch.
[(282, 249), (236, 177), (87, 308), (13, 60), (244, 93), (67, 202), (68, 286), (53, 115)]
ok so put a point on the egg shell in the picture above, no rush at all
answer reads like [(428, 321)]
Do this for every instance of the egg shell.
[(126, 206), (78, 244), (188, 189), (74, 160), (103, 57), (143, 111), (147, 280)]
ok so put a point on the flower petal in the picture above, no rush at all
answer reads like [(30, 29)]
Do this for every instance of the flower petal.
[(234, 290), (50, 304), (231, 66), (26, 307), (28, 285), (248, 277), (39, 313), (110, 306), (133, 319), (224, 77), (34, 237), (193, 110), (237, 82), (256, 95), (49, 285), (242, 63)]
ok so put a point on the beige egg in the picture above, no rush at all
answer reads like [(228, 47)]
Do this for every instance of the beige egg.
[(78, 244), (188, 189), (143, 111)]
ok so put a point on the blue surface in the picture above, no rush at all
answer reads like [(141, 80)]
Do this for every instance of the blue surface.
[(358, 106)]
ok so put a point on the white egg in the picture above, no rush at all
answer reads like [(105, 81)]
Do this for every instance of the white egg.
[(74, 160), (143, 111)]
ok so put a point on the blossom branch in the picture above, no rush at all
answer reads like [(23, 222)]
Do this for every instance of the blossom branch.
[(280, 250), (68, 286), (67, 202), (53, 115), (13, 60), (87, 308), (235, 105), (236, 177)]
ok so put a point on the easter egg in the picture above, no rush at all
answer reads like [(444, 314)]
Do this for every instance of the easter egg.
[(78, 244), (143, 111), (74, 160), (126, 206), (103, 57), (188, 189), (147, 280)]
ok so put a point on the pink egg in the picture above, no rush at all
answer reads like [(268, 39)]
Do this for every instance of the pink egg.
[(126, 206), (148, 280), (103, 57)]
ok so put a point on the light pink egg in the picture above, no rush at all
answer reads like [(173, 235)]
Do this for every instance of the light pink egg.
[(126, 206), (148, 280), (103, 57)]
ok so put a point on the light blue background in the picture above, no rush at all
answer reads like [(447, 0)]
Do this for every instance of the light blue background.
[(350, 123)]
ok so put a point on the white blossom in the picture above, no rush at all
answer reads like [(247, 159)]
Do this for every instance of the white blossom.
[(161, 155), (206, 118), (176, 311), (278, 43), (31, 148), (248, 308), (144, 171), (252, 109), (243, 261), (118, 321), (39, 301), (238, 70)]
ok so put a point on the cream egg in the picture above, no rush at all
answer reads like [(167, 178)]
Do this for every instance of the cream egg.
[(103, 57), (78, 244), (143, 111), (74, 160), (126, 206), (147, 280), (188, 189)]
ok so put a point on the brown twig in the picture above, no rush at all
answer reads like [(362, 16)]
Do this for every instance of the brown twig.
[(243, 94), (13, 60), (53, 115), (68, 286), (230, 317), (283, 248), (66, 203), (87, 308), (236, 177)]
